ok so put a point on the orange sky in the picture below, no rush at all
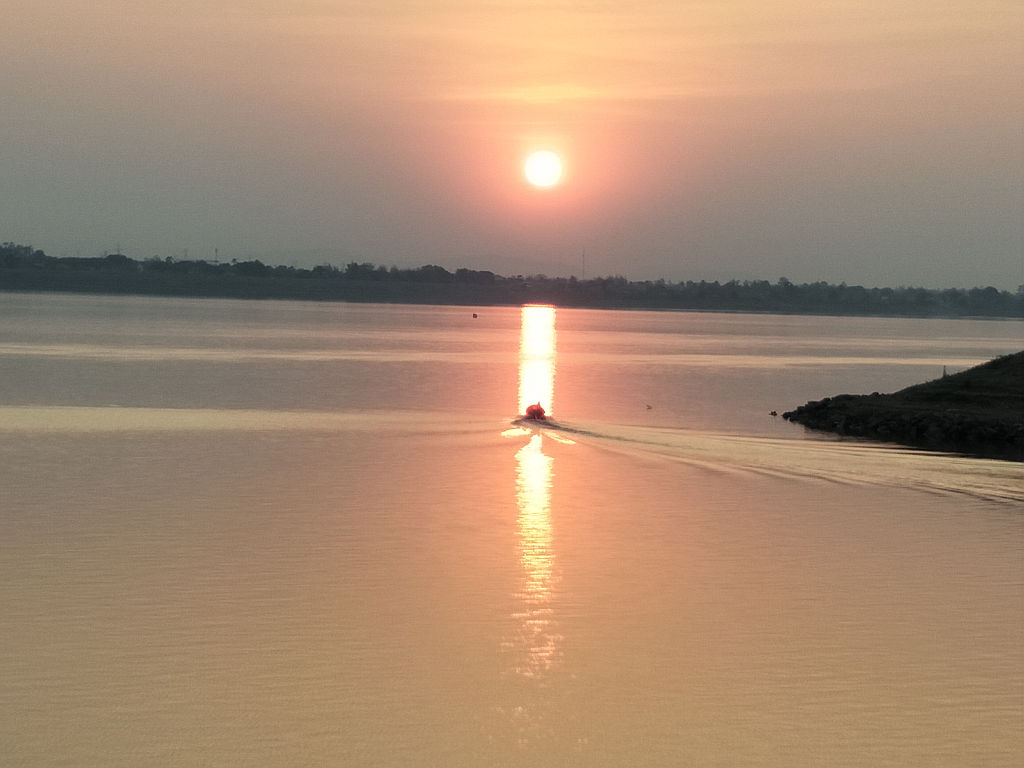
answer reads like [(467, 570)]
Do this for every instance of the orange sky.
[(870, 142)]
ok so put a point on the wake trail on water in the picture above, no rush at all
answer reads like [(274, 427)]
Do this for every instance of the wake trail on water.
[(805, 460)]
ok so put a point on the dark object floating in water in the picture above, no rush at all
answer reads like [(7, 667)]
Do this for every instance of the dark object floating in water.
[(474, 315), (978, 412), (535, 412)]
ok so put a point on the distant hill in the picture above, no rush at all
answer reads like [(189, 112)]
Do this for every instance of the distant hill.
[(978, 411), (23, 268)]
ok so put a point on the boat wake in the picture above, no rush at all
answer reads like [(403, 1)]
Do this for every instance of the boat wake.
[(839, 461)]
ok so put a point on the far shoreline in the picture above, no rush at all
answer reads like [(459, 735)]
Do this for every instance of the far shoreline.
[(23, 269), (426, 302), (440, 296)]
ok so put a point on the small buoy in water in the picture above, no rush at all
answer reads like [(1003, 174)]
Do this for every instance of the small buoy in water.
[(474, 315)]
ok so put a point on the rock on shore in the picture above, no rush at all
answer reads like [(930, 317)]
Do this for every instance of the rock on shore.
[(979, 411)]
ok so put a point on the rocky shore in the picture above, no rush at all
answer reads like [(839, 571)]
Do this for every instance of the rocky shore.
[(979, 412)]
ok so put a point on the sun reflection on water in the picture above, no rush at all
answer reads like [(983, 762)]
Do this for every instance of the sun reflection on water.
[(536, 647), (538, 642), (537, 357)]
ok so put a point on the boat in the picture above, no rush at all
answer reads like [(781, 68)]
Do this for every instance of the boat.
[(535, 412)]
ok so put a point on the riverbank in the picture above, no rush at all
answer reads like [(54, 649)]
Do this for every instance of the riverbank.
[(24, 269), (979, 411)]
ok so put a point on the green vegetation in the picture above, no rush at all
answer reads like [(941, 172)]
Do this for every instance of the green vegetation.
[(978, 411), (24, 269)]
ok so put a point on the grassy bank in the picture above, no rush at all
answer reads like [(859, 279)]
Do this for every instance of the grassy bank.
[(979, 411)]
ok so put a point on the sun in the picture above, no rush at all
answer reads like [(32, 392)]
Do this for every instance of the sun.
[(543, 168)]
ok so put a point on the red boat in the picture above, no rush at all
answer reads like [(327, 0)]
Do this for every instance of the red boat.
[(535, 412)]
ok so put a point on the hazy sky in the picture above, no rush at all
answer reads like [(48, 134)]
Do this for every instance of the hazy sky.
[(877, 142)]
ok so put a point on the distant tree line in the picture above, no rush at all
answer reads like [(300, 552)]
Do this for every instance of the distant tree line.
[(24, 268)]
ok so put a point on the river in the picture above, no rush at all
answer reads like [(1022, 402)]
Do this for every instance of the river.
[(285, 533)]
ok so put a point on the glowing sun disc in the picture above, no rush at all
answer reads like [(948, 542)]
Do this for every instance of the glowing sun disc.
[(543, 168)]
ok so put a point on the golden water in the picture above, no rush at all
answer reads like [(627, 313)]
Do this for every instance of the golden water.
[(290, 556)]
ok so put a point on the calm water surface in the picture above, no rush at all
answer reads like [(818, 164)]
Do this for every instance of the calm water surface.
[(280, 534)]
